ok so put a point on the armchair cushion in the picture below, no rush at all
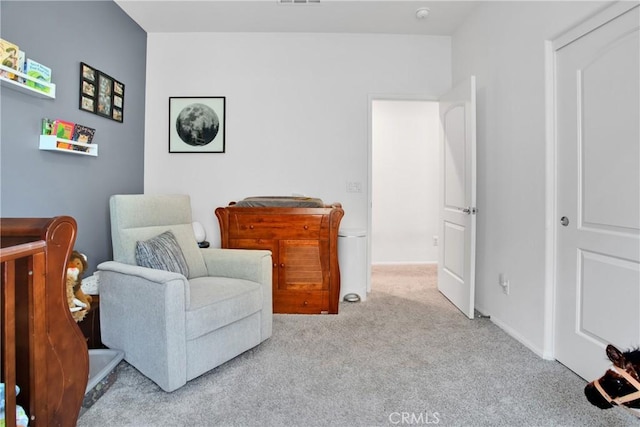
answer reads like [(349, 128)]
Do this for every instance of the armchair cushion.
[(219, 301), (162, 252)]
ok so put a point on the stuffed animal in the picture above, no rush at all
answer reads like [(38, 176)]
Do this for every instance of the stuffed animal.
[(78, 308), (79, 302)]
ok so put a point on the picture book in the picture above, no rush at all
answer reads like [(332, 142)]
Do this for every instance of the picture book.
[(22, 64), (8, 57), (80, 148), (83, 133), (39, 72), (47, 126), (63, 129)]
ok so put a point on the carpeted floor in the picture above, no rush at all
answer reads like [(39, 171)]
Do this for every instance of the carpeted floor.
[(406, 356)]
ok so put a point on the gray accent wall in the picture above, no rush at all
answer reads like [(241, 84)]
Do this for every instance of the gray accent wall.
[(35, 183)]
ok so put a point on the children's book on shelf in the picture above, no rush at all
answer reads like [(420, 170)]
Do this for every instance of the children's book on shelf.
[(80, 148), (22, 64), (63, 129), (47, 126), (83, 133), (8, 57), (39, 72)]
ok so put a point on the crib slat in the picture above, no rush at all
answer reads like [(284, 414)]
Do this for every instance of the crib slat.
[(37, 327), (9, 341)]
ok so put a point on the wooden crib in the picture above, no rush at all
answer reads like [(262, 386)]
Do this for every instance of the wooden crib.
[(43, 350)]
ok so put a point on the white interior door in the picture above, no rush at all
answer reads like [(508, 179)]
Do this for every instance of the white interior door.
[(598, 194), (456, 263)]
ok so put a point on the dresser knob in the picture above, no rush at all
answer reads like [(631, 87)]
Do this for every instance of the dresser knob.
[(306, 227), (275, 264), (306, 303), (282, 265), (251, 227)]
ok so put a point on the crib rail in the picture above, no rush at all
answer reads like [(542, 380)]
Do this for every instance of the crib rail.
[(34, 255), (43, 350)]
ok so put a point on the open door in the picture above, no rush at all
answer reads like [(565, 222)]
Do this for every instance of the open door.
[(456, 263)]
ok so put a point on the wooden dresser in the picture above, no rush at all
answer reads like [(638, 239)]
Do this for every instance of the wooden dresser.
[(304, 247)]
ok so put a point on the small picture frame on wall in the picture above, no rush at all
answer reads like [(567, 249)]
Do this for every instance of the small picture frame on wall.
[(87, 72), (118, 88), (105, 95), (101, 94), (197, 124), (87, 104), (87, 88)]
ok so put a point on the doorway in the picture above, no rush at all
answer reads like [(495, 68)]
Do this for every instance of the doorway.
[(405, 171)]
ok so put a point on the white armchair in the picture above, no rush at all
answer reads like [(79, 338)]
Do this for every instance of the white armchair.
[(172, 327)]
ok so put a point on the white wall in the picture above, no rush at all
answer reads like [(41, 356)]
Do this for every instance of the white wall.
[(297, 112), (405, 160), (502, 43)]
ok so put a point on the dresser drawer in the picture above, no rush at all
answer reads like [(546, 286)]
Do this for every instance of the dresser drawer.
[(300, 302), (248, 226)]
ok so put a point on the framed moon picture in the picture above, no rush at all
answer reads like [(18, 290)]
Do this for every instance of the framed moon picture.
[(197, 124)]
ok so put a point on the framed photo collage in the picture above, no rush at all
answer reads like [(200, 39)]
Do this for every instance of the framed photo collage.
[(101, 94)]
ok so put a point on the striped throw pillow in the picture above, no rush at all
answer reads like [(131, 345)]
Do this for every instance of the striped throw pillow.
[(163, 253)]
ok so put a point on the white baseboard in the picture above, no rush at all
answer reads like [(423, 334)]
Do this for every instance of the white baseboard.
[(515, 335), (406, 263), (538, 351)]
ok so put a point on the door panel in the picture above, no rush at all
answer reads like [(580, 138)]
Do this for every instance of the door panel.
[(599, 294), (598, 190), (454, 157), (454, 250), (604, 87), (456, 263), (301, 266)]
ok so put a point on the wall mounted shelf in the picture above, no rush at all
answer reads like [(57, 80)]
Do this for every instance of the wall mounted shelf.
[(53, 143), (22, 87)]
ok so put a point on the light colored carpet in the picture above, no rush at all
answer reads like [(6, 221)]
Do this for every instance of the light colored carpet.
[(406, 356)]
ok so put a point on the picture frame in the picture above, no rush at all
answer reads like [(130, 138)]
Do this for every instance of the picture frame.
[(197, 124), (118, 101), (105, 95), (118, 88), (87, 87), (87, 72), (101, 94), (87, 103)]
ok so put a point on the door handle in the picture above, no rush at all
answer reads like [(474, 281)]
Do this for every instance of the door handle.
[(469, 210), (564, 221)]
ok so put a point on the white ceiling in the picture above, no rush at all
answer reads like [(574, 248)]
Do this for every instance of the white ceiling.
[(328, 16)]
